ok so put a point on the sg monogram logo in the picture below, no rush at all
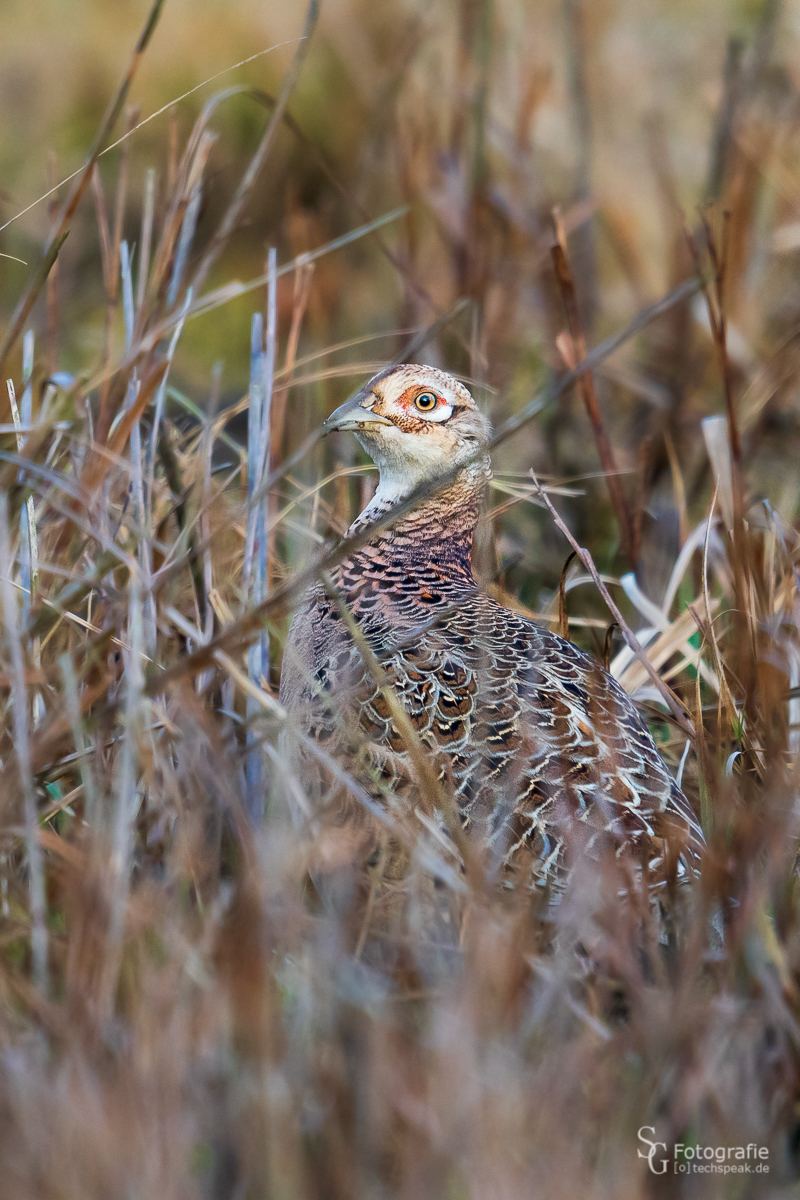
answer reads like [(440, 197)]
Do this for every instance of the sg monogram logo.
[(659, 1168)]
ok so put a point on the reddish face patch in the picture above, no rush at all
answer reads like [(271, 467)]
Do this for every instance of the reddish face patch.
[(422, 407), (421, 400)]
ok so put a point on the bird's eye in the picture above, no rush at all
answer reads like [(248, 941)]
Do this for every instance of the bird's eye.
[(425, 402)]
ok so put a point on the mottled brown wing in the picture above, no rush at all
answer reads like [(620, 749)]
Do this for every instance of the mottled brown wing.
[(543, 750)]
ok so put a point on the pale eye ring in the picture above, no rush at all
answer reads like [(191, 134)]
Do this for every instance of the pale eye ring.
[(426, 402)]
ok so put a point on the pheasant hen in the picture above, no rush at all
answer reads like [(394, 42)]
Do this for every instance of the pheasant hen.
[(545, 755)]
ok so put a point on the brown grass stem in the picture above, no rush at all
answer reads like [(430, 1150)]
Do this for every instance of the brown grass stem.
[(586, 388)]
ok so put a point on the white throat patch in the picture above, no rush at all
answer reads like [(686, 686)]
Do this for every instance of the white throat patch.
[(403, 462)]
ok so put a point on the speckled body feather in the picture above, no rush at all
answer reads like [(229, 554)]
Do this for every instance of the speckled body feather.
[(546, 756)]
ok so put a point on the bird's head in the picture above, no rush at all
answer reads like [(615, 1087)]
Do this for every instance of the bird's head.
[(417, 424)]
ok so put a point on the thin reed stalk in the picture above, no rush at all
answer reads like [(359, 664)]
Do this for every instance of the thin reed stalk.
[(19, 696)]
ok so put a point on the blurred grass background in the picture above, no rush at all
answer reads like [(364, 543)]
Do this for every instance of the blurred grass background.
[(202, 1026), (482, 118)]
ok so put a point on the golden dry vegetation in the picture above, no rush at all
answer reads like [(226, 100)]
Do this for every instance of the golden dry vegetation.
[(589, 210)]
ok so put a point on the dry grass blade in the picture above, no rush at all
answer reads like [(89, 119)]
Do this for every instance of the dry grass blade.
[(73, 705), (673, 703), (673, 638), (30, 579), (212, 300), (576, 353), (59, 234), (122, 830), (236, 205), (302, 290), (563, 616), (716, 434), (594, 358), (38, 910)]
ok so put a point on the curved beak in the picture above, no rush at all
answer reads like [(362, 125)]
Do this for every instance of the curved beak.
[(352, 415)]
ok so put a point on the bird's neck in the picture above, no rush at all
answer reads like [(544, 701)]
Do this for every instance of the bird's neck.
[(437, 532)]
